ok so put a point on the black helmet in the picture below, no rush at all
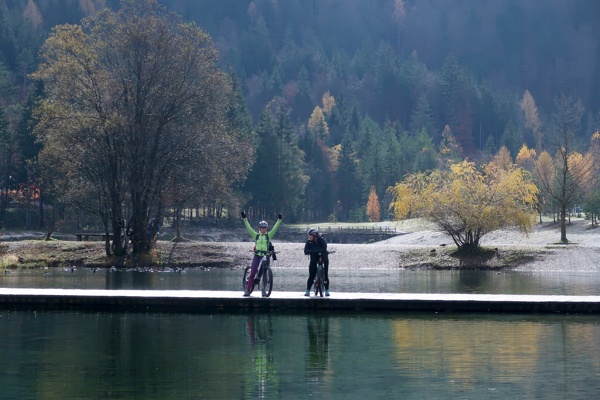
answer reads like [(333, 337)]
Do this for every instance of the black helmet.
[(263, 224), (313, 231)]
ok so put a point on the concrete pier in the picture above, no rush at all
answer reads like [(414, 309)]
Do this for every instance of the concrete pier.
[(201, 301)]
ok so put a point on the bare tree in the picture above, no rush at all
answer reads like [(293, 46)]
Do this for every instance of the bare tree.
[(563, 178), (134, 97)]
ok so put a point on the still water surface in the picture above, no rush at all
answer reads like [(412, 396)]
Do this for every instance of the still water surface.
[(62, 355), (342, 280), (67, 355)]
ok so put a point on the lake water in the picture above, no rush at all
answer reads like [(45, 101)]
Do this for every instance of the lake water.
[(61, 355), (342, 280), (67, 355)]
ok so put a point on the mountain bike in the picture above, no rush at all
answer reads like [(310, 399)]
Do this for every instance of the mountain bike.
[(263, 277), (319, 282)]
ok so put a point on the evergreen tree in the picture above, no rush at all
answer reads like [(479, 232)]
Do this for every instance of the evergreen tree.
[(347, 180), (451, 82), (257, 52), (369, 132), (422, 117), (512, 138), (389, 91), (28, 146), (319, 191), (303, 103), (426, 157), (374, 167), (338, 122), (392, 168), (450, 151), (276, 181)]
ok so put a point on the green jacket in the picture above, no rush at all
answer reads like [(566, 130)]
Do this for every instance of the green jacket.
[(261, 241)]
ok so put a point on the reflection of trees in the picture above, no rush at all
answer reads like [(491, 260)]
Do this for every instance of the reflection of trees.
[(512, 349), (318, 345), (262, 378), (131, 280), (470, 281)]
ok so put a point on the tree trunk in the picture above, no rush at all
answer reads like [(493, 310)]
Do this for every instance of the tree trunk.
[(107, 239), (563, 224), (177, 223)]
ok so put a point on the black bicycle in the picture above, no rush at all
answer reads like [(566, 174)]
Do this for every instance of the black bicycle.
[(319, 282), (263, 277)]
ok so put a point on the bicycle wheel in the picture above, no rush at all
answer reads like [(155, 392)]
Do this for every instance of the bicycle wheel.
[(267, 282), (319, 284), (245, 280)]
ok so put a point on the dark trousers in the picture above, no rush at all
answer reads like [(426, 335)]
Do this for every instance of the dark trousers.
[(253, 268), (312, 272)]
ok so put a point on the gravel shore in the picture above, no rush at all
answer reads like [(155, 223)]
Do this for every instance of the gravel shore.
[(543, 243), (418, 248), (538, 251)]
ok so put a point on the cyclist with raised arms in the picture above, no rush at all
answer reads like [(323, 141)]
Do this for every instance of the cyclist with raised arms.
[(262, 238), (316, 247)]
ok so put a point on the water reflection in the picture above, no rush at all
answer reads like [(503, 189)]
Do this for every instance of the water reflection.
[(346, 280), (469, 282), (262, 377), (317, 361), (336, 356)]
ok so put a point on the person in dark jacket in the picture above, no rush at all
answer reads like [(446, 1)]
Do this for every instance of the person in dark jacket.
[(316, 247)]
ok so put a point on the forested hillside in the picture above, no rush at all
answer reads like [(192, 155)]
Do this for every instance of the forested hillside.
[(341, 99)]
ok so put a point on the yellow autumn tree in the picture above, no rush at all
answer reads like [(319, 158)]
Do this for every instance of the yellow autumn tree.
[(526, 158), (502, 159), (373, 209), (532, 120), (595, 149), (317, 124), (328, 103), (466, 203)]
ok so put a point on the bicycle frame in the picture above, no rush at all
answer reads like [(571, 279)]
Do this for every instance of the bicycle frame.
[(263, 273), (264, 263), (319, 283)]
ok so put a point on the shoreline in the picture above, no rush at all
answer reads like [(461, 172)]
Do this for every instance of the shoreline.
[(420, 249)]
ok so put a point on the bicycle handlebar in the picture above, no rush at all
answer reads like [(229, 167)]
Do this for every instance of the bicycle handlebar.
[(327, 252)]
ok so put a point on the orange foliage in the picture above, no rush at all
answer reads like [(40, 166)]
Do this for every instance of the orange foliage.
[(373, 209)]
